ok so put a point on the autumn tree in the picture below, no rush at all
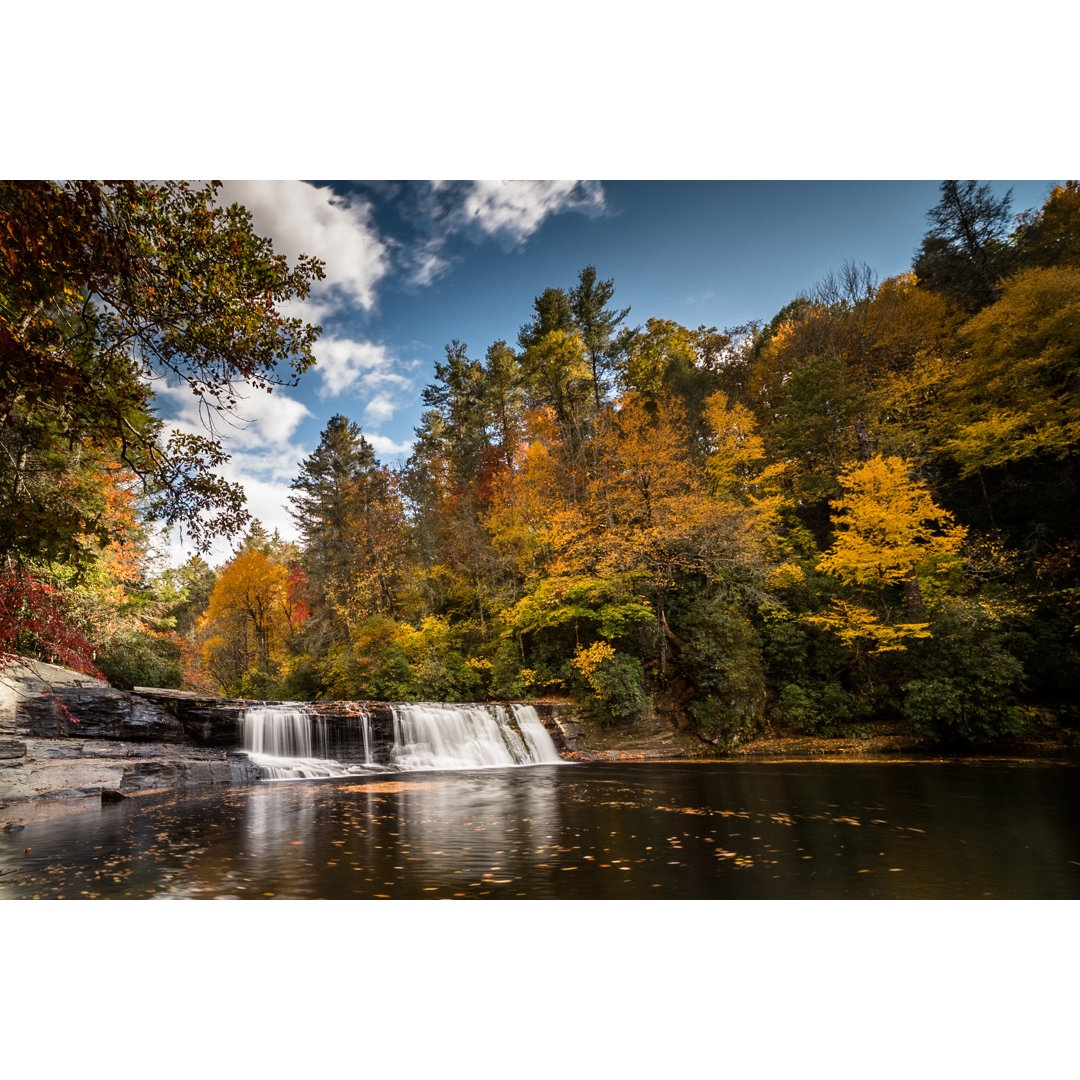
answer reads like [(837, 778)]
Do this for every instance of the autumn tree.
[(557, 375), (737, 467), (465, 441), (889, 535), (1050, 236), (250, 620), (542, 527), (1017, 394), (105, 288)]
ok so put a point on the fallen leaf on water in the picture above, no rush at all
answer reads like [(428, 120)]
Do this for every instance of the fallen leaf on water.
[(391, 786)]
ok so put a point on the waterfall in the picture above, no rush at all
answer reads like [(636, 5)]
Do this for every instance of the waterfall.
[(288, 742), (535, 734), (282, 741), (278, 731), (454, 737), (431, 736)]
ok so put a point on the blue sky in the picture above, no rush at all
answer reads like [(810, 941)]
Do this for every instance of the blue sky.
[(411, 266)]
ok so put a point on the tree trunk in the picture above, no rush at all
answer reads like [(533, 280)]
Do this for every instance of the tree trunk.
[(863, 437), (661, 622), (913, 594)]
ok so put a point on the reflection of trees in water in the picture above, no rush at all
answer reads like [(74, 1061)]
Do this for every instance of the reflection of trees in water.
[(483, 824)]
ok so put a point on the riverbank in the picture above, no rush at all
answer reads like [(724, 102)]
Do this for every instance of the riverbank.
[(66, 736), (654, 738)]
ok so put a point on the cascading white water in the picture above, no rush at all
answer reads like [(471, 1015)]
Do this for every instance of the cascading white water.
[(288, 743), (432, 736), (535, 734), (279, 740), (277, 731)]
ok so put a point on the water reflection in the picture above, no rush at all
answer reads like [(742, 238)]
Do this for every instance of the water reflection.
[(588, 831)]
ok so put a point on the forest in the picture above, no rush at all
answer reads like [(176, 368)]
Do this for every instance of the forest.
[(865, 510)]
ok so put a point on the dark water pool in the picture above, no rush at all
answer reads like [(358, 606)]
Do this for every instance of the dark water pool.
[(586, 831)]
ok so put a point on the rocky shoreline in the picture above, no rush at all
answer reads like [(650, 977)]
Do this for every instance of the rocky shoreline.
[(64, 735)]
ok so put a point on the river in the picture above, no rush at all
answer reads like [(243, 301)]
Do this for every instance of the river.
[(604, 831)]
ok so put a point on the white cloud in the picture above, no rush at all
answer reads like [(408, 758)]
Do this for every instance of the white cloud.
[(428, 264), (263, 457), (507, 211), (343, 364), (379, 408), (514, 209), (387, 447), (270, 419), (301, 218)]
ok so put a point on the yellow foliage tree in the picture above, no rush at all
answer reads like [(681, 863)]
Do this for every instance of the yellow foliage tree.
[(249, 620), (653, 352), (1018, 393), (888, 527), (661, 522), (737, 465), (857, 626), (889, 533)]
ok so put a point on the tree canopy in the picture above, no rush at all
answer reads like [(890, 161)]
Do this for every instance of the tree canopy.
[(107, 291)]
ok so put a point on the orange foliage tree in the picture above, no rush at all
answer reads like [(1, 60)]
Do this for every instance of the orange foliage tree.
[(252, 616)]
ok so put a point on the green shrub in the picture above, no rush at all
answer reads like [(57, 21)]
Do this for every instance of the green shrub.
[(820, 708), (964, 709), (138, 658), (619, 687), (613, 681), (968, 679)]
